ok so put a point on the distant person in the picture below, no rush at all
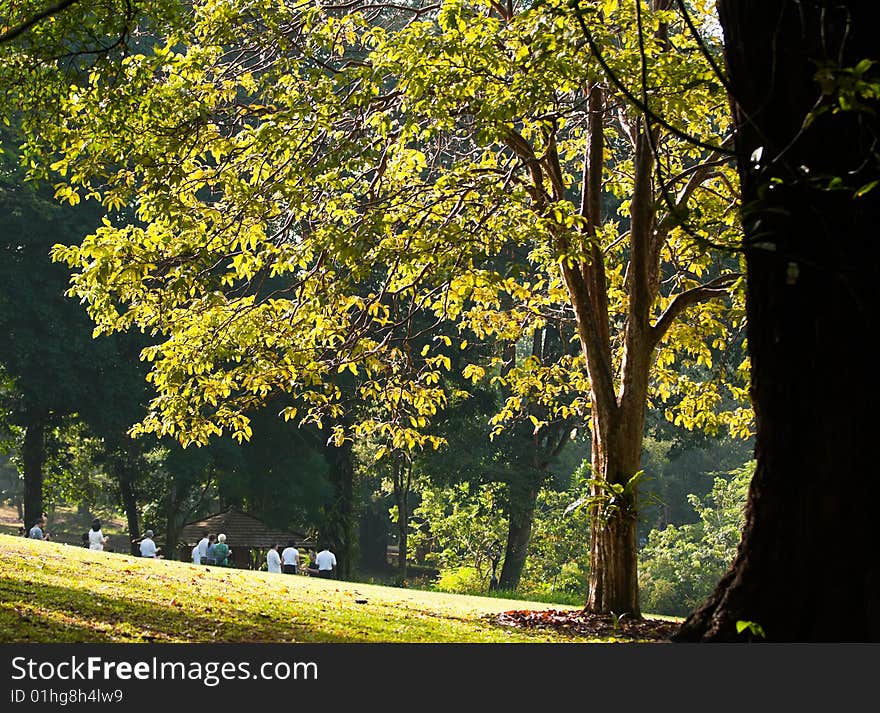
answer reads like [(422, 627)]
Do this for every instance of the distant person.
[(36, 532), (311, 567), (97, 540), (195, 555), (148, 546), (221, 551), (203, 548), (326, 562), (290, 559), (22, 531), (212, 543), (85, 539), (273, 559)]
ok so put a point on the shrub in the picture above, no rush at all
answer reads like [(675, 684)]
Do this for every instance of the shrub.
[(679, 566)]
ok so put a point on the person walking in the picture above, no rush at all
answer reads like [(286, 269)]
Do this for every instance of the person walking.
[(97, 540), (290, 559), (148, 546), (273, 559), (326, 562)]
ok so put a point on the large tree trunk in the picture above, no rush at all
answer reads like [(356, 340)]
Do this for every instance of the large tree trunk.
[(519, 533), (807, 567), (616, 457), (618, 420), (33, 454)]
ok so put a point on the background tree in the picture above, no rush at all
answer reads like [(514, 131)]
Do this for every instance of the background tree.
[(516, 150)]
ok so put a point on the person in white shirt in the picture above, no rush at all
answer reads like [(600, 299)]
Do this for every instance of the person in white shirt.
[(326, 562), (203, 548), (290, 559), (195, 555), (273, 559), (96, 537), (148, 546)]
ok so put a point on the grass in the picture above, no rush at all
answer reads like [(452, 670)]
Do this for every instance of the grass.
[(51, 592)]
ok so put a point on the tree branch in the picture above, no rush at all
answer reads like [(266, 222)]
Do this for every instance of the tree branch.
[(20, 29), (715, 288)]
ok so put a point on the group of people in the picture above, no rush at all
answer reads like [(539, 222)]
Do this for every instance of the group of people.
[(94, 539), (211, 550), (288, 561)]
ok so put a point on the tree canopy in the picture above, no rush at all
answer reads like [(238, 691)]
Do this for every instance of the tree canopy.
[(315, 188)]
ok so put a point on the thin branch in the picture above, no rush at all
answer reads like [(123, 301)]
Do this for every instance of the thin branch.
[(20, 29)]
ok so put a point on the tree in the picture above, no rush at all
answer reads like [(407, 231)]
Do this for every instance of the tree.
[(803, 80), (313, 146)]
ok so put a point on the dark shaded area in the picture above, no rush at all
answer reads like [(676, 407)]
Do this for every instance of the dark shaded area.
[(807, 567)]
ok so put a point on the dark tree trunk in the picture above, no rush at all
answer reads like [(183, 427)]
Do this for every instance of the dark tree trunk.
[(807, 567), (402, 477), (129, 504), (373, 535), (402, 540), (339, 513), (519, 532), (33, 454), (171, 530)]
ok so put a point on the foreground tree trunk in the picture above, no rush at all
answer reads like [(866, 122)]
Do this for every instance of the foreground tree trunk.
[(33, 454), (807, 567), (616, 457)]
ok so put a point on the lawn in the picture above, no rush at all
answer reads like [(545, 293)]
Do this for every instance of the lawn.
[(51, 592)]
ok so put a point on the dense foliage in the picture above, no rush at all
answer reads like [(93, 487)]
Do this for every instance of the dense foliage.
[(681, 564)]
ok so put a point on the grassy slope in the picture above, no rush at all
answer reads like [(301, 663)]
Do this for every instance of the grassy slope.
[(51, 592)]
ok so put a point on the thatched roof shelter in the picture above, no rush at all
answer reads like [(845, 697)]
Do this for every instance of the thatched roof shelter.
[(241, 530)]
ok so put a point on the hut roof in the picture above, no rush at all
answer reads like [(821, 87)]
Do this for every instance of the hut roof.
[(241, 530)]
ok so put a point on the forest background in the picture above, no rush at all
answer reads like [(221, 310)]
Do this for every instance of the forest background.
[(424, 332)]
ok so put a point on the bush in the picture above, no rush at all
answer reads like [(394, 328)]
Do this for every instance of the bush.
[(680, 566), (461, 580)]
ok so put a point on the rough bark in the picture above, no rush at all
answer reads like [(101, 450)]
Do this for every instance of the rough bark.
[(613, 544), (33, 455), (806, 568)]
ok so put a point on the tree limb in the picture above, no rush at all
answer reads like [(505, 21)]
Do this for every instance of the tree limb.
[(715, 288), (23, 27)]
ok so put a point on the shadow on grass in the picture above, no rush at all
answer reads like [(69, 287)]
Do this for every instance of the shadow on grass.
[(34, 612)]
